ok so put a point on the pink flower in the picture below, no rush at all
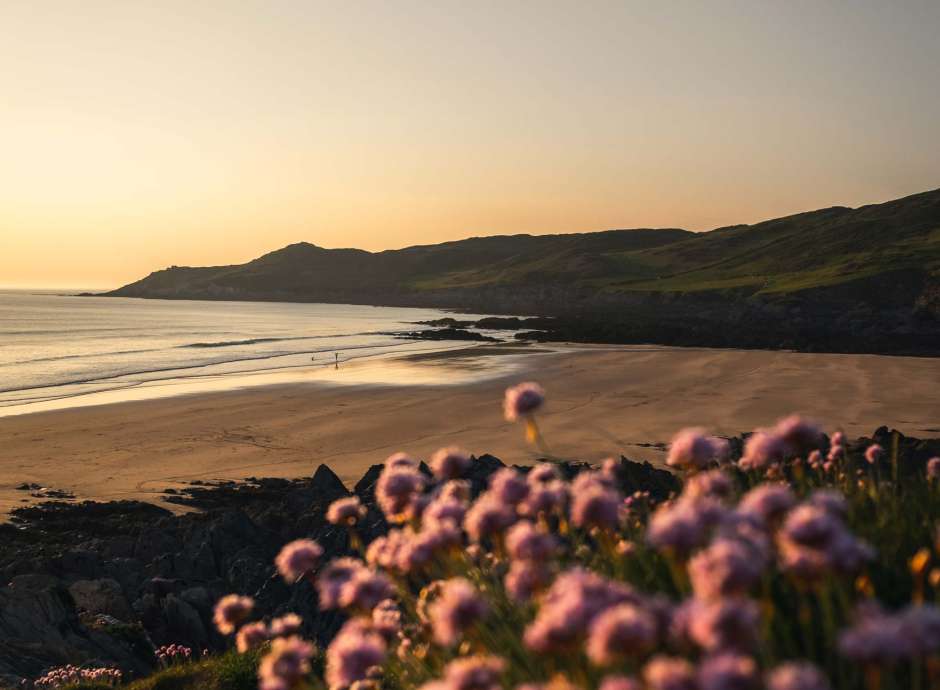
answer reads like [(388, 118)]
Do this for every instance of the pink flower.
[(596, 507), (385, 550), (762, 449), (364, 590), (838, 439), (522, 400), (251, 635), (396, 490), (298, 558), (386, 619), (724, 624), (457, 607), (876, 638), (444, 510), (873, 453), (524, 541), (796, 676), (544, 498), (920, 624), (288, 624), (450, 463), (693, 449), (488, 516), (231, 611), (619, 683), (728, 672), (508, 486), (543, 473), (400, 461), (474, 673), (669, 673), (345, 511), (288, 661), (525, 578), (356, 650), (333, 578), (831, 501), (683, 525), (933, 468), (799, 434), (726, 567), (767, 502), (623, 630), (713, 484)]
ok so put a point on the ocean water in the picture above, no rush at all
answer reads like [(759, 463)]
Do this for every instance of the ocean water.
[(66, 349)]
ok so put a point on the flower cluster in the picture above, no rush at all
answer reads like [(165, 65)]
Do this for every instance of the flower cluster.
[(753, 575), (72, 675), (171, 654)]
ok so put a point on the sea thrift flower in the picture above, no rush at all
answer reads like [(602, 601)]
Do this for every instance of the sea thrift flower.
[(396, 489), (525, 578), (449, 463), (669, 673), (920, 624), (251, 635), (288, 661), (526, 542), (596, 507), (831, 501), (873, 453), (767, 502), (543, 473), (400, 461), (487, 516), (799, 435), (876, 638), (386, 619), (298, 558), (683, 525), (713, 484), (725, 624), (474, 673), (385, 550), (728, 672), (522, 400), (365, 589), (286, 625), (933, 469), (619, 683), (508, 486), (624, 630), (444, 510), (693, 449), (231, 611), (796, 676), (726, 567), (544, 498), (345, 511), (761, 450), (333, 578), (458, 607), (353, 653)]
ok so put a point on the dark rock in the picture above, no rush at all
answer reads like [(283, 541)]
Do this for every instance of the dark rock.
[(328, 485)]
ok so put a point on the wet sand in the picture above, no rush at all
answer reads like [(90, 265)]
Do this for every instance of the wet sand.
[(603, 401)]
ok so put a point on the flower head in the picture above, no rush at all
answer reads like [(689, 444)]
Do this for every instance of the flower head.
[(669, 673), (728, 672), (250, 636), (763, 448), (508, 486), (933, 468), (873, 453), (727, 566), (488, 516), (524, 541), (796, 676), (334, 578), (231, 611), (692, 449), (298, 558), (449, 463), (286, 625), (522, 400), (623, 630), (287, 662), (352, 655), (457, 607), (345, 511), (396, 490)]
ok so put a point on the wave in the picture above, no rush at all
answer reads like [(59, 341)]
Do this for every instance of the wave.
[(232, 343)]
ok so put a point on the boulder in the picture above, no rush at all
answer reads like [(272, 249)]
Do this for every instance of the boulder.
[(102, 596)]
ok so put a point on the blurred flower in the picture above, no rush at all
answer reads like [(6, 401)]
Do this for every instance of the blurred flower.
[(800, 435), (596, 507), (449, 463), (386, 619), (619, 683), (692, 449), (251, 635), (457, 607), (522, 400), (525, 541), (508, 486), (487, 516), (384, 550), (333, 578), (728, 672), (762, 448), (298, 558), (875, 638), (933, 468), (796, 676), (287, 662), (401, 461), (714, 484), (920, 626), (288, 624), (873, 453), (669, 673), (683, 525), (621, 631), (231, 611), (721, 625), (345, 511), (544, 498), (353, 653), (543, 473), (727, 566), (474, 673), (768, 502), (525, 578), (364, 590), (444, 510), (396, 489)]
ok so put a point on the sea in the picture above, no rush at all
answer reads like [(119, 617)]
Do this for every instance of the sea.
[(60, 350)]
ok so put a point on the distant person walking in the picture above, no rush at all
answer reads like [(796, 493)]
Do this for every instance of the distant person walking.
[(336, 355)]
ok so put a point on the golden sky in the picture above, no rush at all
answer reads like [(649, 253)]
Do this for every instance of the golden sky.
[(135, 135)]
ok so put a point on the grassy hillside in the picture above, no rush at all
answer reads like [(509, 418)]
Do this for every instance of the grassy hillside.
[(807, 250)]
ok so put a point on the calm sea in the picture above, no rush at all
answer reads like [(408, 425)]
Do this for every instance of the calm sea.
[(54, 346)]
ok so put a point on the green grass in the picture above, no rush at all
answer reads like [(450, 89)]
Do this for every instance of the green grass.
[(229, 671)]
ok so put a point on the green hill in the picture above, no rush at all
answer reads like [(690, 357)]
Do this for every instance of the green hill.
[(876, 263)]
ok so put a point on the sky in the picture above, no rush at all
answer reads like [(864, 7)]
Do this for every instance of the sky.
[(138, 135)]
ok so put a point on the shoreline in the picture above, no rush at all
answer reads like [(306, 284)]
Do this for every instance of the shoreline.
[(603, 401)]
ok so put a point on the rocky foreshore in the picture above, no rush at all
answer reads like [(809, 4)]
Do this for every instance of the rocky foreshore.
[(104, 583)]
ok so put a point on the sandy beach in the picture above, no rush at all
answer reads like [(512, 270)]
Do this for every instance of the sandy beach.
[(603, 401)]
